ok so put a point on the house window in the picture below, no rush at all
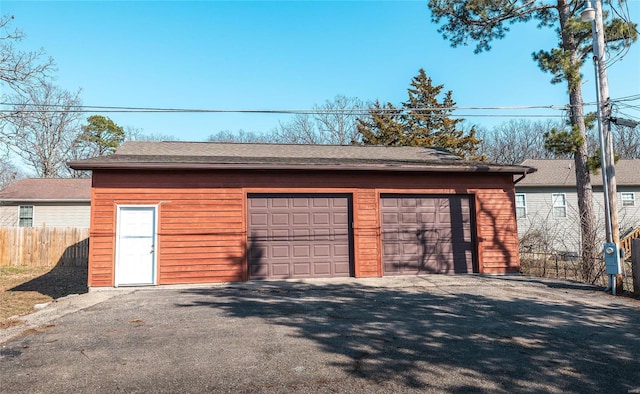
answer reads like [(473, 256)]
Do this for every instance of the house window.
[(521, 206), (628, 199), (559, 205), (26, 216)]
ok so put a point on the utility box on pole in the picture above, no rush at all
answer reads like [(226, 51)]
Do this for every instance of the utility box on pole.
[(635, 264)]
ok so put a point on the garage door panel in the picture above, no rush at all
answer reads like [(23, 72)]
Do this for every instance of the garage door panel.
[(340, 218), (427, 204), (427, 217), (279, 251), (408, 202), (409, 249), (308, 234), (278, 234), (322, 268), (257, 251), (320, 202), (277, 203), (445, 234), (409, 218), (342, 269), (301, 269), (391, 218), (391, 249), (389, 203), (300, 219), (321, 234), (390, 235), (426, 234), (258, 219), (280, 269), (280, 219), (444, 217), (300, 234), (301, 203), (258, 203), (259, 233), (259, 270), (408, 235), (321, 219), (302, 251), (341, 251), (321, 250)]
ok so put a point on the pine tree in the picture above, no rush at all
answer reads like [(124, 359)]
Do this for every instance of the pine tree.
[(101, 135), (483, 21), (423, 120)]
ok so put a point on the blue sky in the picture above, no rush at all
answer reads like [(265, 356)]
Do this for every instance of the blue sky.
[(281, 56)]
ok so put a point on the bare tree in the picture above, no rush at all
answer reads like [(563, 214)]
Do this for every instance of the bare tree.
[(9, 173), (333, 122), (338, 119), (42, 128), (138, 134), (240, 136), (19, 70), (302, 129), (514, 141), (626, 142)]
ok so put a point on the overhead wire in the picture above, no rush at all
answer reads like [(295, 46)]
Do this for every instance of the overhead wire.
[(611, 60)]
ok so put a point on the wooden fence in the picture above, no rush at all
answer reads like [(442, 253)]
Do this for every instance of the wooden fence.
[(44, 246)]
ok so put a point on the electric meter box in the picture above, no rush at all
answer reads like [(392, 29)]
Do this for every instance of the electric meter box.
[(612, 258)]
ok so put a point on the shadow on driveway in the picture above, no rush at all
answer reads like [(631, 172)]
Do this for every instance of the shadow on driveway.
[(471, 341)]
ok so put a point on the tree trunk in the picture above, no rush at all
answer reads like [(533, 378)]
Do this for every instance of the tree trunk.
[(581, 156)]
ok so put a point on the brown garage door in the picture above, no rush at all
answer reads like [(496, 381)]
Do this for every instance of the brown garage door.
[(299, 236), (427, 234)]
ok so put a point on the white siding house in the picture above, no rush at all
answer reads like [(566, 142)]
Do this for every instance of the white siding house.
[(547, 204), (47, 202)]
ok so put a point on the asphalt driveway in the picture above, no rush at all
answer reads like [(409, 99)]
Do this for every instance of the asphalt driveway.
[(423, 334)]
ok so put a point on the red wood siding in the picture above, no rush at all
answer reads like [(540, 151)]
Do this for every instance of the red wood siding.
[(202, 216), (366, 231), (497, 231)]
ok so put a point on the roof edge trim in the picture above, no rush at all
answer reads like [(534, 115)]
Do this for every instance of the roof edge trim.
[(310, 167)]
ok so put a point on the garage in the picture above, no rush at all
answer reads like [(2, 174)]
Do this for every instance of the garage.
[(299, 236), (426, 234), (239, 212)]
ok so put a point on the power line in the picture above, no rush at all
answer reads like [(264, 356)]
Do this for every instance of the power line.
[(61, 108), (101, 108)]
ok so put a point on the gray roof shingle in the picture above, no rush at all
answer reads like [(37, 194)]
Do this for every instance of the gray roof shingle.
[(555, 172), (209, 155)]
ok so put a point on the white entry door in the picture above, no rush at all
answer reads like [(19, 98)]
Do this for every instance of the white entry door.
[(135, 261)]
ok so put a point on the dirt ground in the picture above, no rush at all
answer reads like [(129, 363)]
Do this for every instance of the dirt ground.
[(23, 287)]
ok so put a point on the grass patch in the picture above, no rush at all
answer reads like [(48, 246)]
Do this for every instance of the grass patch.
[(12, 302), (23, 287)]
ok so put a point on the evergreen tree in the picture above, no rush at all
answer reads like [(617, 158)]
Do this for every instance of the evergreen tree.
[(483, 21), (423, 120), (101, 135)]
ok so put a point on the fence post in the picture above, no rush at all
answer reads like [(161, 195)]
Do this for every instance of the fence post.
[(635, 264)]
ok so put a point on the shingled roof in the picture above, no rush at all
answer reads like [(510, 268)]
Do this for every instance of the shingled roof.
[(48, 189), (552, 172), (211, 155)]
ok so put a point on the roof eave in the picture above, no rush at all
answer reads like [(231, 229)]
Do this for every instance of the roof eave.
[(306, 167)]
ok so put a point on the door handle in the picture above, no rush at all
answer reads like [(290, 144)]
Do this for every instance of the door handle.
[(152, 249)]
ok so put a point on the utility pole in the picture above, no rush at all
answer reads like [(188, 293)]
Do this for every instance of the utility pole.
[(610, 190)]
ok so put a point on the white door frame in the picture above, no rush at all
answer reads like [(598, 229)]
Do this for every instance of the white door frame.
[(119, 208)]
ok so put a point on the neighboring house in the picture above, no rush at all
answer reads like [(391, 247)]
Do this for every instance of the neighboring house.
[(46, 202), (187, 212), (547, 204)]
